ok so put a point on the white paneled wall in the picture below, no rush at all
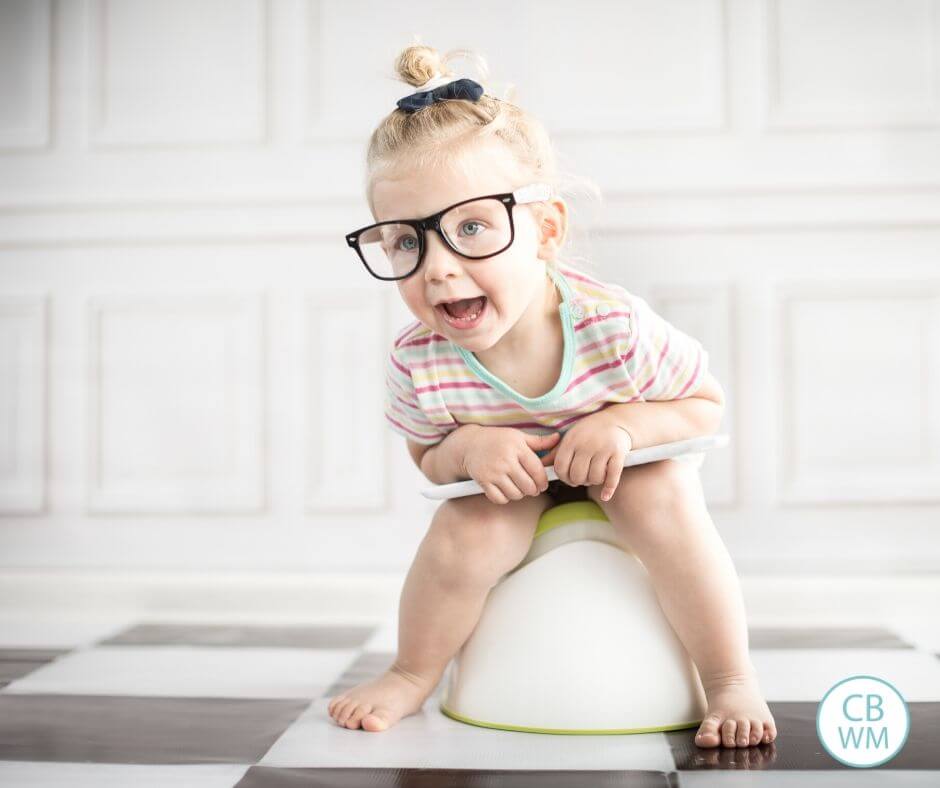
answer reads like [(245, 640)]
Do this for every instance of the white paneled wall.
[(191, 358)]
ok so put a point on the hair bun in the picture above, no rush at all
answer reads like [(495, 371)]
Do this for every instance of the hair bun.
[(417, 64)]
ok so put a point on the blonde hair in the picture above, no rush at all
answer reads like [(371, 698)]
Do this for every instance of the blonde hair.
[(432, 137)]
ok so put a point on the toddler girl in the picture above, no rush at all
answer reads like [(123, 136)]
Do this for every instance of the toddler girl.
[(518, 361)]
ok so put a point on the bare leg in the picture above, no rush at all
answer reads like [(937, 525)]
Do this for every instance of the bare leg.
[(659, 512), (470, 545)]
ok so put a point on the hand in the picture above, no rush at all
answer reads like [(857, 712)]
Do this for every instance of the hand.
[(592, 452), (502, 460)]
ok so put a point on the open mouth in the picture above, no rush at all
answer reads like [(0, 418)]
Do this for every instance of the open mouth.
[(465, 313)]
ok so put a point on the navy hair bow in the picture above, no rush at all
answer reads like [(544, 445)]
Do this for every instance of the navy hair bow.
[(459, 89)]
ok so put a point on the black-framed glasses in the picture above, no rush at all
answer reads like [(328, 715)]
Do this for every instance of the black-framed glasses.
[(477, 228)]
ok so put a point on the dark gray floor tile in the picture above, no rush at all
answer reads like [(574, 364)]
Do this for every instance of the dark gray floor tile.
[(851, 637), (104, 729), (269, 777), (10, 670), (798, 747), (241, 636), (847, 778), (18, 662), (31, 654)]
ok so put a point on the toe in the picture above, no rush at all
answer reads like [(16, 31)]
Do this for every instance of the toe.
[(743, 734), (707, 735), (358, 711), (343, 712), (770, 732), (333, 704), (757, 731), (376, 721), (727, 732)]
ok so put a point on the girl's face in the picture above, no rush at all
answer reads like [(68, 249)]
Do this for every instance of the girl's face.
[(510, 281)]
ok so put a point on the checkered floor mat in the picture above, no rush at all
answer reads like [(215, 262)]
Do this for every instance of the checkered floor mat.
[(212, 706)]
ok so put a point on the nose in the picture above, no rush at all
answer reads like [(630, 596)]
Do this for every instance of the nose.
[(440, 260)]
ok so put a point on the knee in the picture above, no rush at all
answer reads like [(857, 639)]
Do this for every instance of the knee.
[(473, 539), (652, 491)]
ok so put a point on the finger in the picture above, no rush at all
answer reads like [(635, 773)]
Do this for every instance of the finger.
[(597, 471), (522, 480), (536, 471), (494, 493), (579, 468), (509, 489), (562, 463), (614, 471)]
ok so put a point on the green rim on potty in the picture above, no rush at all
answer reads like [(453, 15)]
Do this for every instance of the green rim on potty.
[(573, 641), (564, 513)]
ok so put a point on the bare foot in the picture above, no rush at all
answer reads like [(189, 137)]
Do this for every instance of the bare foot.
[(737, 714), (380, 703)]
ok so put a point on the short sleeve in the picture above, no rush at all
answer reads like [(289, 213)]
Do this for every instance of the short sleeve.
[(402, 410), (663, 362)]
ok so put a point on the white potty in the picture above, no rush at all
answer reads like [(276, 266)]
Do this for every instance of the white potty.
[(573, 640)]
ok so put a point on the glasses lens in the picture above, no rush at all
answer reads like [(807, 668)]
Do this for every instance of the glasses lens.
[(390, 250), (478, 228)]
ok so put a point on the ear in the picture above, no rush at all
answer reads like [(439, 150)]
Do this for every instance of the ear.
[(553, 227)]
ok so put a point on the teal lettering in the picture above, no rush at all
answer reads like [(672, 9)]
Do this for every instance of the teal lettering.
[(845, 708), (854, 736), (884, 732), (877, 706)]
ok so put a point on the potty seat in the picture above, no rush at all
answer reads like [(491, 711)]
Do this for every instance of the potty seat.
[(573, 640)]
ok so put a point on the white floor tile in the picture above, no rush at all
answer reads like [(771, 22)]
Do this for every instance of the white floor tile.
[(27, 774), (807, 674), (924, 635), (188, 671), (430, 739)]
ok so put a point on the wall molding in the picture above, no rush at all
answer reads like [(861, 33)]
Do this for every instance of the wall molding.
[(345, 370), (35, 133), (239, 483), (779, 117), (871, 483), (102, 132), (24, 480)]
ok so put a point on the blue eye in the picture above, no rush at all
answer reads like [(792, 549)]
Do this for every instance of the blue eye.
[(471, 224), (404, 239)]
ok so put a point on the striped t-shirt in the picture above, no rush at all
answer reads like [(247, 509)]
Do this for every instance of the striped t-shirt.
[(617, 349)]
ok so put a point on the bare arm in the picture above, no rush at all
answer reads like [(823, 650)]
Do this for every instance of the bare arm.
[(652, 423), (442, 463)]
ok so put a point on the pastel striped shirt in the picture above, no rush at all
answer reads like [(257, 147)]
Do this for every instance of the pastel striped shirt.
[(616, 349)]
